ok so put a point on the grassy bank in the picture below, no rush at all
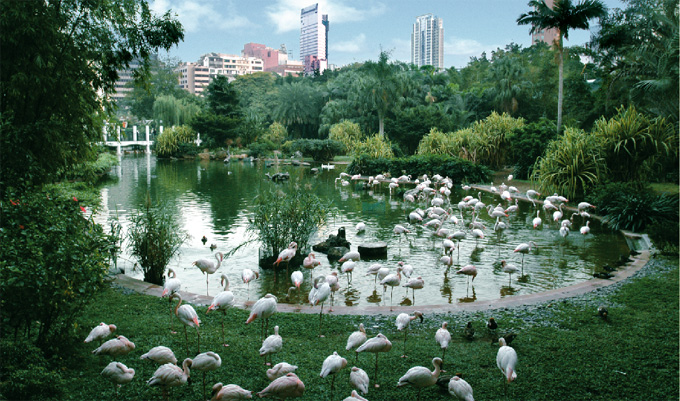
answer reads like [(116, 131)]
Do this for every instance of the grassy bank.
[(565, 350)]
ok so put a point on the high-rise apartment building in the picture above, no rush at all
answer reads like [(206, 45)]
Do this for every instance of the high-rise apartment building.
[(427, 42), (195, 77), (313, 39), (548, 36)]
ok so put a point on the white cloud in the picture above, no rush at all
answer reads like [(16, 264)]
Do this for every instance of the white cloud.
[(354, 45), (463, 47), (196, 15), (285, 14)]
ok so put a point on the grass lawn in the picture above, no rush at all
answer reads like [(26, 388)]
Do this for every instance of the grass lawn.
[(565, 351)]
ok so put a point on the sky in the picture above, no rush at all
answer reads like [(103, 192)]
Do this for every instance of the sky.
[(359, 29)]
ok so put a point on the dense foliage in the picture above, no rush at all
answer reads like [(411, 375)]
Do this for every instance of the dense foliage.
[(155, 237), (57, 56), (222, 118), (53, 260), (174, 141), (320, 150), (458, 170), (528, 143)]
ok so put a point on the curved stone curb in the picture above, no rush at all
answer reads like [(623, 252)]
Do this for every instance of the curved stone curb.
[(627, 271)]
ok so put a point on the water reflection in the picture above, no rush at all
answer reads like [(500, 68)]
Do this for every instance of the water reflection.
[(215, 200), (469, 298)]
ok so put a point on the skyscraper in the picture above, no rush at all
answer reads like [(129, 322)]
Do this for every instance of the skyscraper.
[(427, 42), (548, 36), (314, 39)]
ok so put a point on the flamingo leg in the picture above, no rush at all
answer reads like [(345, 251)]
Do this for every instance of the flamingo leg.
[(198, 335), (375, 375), (356, 359), (204, 385), (186, 339), (522, 264), (266, 328), (405, 334), (206, 284), (320, 316), (391, 292), (223, 343)]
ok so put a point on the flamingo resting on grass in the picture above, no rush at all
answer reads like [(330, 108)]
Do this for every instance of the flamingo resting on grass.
[(221, 392), (170, 375), (118, 374), (420, 376)]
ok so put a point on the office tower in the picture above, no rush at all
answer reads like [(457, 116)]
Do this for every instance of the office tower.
[(548, 36), (427, 42), (313, 39)]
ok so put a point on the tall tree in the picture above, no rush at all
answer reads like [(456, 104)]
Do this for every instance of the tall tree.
[(58, 57), (221, 120), (564, 16), (381, 87)]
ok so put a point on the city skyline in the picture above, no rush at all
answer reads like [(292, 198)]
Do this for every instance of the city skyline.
[(360, 28)]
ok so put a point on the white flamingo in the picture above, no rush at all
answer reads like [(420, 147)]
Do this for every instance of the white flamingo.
[(460, 389), (351, 255), (443, 337), (115, 347), (171, 286), (170, 375), (509, 268), (188, 316), (206, 362), (376, 345), (222, 302), (100, 332), (347, 268), (287, 255), (403, 322), (525, 248), (248, 275), (469, 271), (359, 379), (288, 386), (537, 220), (506, 359), (207, 267), (415, 284), (420, 376), (297, 278), (263, 309), (229, 392), (118, 374), (160, 355), (310, 263), (319, 294), (279, 370), (393, 280), (585, 229), (271, 345), (331, 366), (373, 269), (356, 339)]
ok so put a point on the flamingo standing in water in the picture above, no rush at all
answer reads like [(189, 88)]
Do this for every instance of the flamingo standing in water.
[(205, 362), (525, 248), (264, 308), (286, 255), (509, 268), (331, 366), (443, 337), (356, 339), (420, 376), (468, 270), (297, 278), (374, 269), (222, 301), (207, 267), (171, 286), (415, 284), (310, 263), (393, 280), (537, 220), (170, 375), (506, 359), (377, 344), (247, 275), (403, 322), (187, 315), (585, 229), (118, 374)]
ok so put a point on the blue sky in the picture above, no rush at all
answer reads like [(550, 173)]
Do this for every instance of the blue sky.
[(358, 28)]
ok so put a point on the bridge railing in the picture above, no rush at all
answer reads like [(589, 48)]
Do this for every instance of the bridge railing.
[(119, 141)]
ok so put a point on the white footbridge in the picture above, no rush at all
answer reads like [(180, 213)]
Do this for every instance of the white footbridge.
[(138, 139)]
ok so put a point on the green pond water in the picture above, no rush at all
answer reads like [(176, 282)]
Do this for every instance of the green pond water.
[(214, 199)]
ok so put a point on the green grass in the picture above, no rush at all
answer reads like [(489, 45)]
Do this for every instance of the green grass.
[(575, 356)]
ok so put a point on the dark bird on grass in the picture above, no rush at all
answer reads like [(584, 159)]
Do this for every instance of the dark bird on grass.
[(443, 381), (603, 275), (603, 312), (469, 331), (491, 324), (509, 338)]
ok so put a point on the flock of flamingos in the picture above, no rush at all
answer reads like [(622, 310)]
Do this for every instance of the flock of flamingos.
[(284, 382)]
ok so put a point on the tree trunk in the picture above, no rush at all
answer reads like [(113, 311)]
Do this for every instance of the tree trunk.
[(381, 125), (560, 90)]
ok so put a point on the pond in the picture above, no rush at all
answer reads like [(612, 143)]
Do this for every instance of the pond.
[(214, 199)]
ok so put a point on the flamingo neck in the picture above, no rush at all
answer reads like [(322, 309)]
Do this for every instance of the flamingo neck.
[(178, 304)]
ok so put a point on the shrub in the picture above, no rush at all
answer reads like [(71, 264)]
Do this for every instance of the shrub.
[(665, 235), (320, 150), (280, 218), (276, 133), (260, 149), (168, 143), (53, 261), (90, 172), (457, 169), (155, 238), (373, 146), (492, 134), (25, 375), (435, 143), (571, 166), (347, 132), (528, 143)]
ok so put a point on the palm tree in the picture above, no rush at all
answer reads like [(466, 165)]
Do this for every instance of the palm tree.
[(563, 16)]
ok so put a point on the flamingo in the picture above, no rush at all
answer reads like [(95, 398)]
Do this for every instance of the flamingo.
[(477, 234), (415, 284), (525, 248), (118, 374), (229, 392), (286, 255), (468, 270), (271, 345), (279, 370), (264, 308), (347, 268), (187, 315), (458, 236), (403, 322), (406, 270), (531, 195), (160, 355), (288, 386), (399, 229), (352, 255), (360, 227), (171, 286), (332, 280), (374, 269), (537, 220), (513, 208), (222, 301), (297, 278), (356, 339), (115, 347), (393, 280), (100, 332), (310, 263), (443, 337), (496, 213), (170, 375), (420, 376), (584, 230), (331, 366), (509, 268), (506, 359), (460, 389), (247, 275), (584, 205), (564, 231), (359, 379), (319, 294), (557, 215), (206, 362), (377, 344), (207, 267)]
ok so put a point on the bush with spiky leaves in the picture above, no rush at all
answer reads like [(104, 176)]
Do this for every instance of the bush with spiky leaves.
[(374, 146)]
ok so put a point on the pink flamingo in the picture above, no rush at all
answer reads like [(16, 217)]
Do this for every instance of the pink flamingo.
[(264, 308), (205, 362), (170, 375), (420, 376), (288, 386), (377, 344), (229, 392), (171, 286), (506, 359), (207, 267), (118, 374), (222, 301), (188, 316), (468, 270), (356, 339), (331, 366), (286, 255), (100, 332), (310, 263)]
